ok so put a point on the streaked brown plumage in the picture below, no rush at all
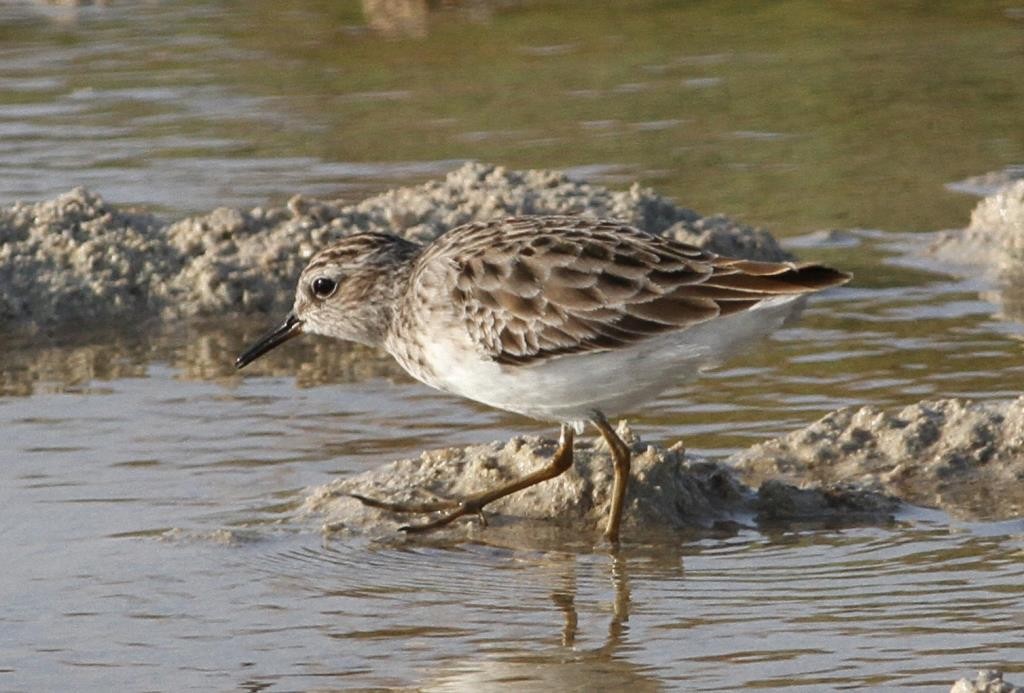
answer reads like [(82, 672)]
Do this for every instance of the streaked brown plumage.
[(533, 289)]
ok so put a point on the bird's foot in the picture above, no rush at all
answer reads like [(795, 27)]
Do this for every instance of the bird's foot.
[(456, 510), (463, 508), (427, 507)]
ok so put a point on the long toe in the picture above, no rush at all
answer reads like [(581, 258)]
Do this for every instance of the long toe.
[(440, 522), (430, 507), (470, 506)]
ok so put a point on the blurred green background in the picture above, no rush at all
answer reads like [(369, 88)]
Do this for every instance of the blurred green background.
[(797, 115)]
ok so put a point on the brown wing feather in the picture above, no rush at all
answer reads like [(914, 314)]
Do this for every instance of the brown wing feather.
[(530, 289)]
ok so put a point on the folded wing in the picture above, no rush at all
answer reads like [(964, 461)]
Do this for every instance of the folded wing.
[(537, 288)]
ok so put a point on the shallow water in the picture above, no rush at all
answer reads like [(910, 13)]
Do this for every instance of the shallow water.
[(149, 492), (151, 533)]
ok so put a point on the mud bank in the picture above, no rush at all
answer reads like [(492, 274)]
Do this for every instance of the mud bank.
[(965, 458), (987, 681), (992, 246), (994, 239), (669, 489), (77, 259), (851, 466)]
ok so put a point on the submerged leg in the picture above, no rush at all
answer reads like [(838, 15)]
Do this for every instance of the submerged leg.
[(475, 503), (621, 457)]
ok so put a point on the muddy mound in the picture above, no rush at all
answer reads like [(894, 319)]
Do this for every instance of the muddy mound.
[(966, 458), (987, 681), (78, 259), (853, 465), (668, 489), (994, 239)]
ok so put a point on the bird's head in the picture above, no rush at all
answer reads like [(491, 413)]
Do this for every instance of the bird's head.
[(346, 291)]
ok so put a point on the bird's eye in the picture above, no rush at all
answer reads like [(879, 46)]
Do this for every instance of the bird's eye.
[(323, 287)]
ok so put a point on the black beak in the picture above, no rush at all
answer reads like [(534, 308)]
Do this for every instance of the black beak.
[(291, 327)]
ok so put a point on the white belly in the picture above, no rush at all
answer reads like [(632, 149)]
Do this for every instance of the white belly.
[(570, 388)]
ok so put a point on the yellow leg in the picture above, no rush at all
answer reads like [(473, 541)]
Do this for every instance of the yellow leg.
[(473, 505), (621, 457)]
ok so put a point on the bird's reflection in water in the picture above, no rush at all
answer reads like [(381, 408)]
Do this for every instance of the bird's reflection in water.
[(568, 665), (565, 600)]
